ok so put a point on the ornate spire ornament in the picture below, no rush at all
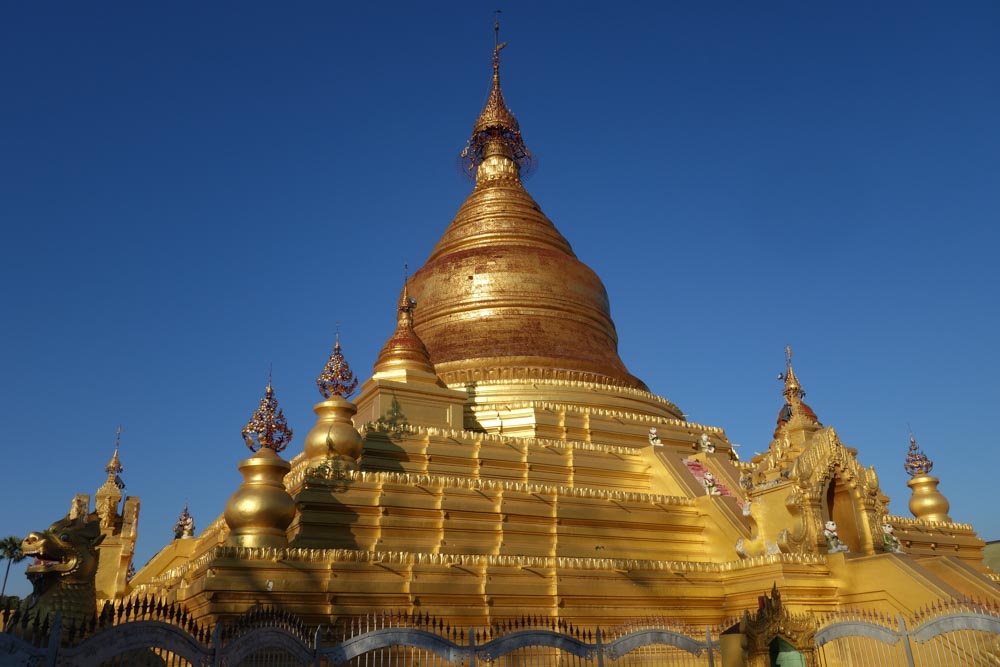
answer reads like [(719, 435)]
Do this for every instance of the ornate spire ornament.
[(917, 462), (927, 502), (793, 390), (115, 467), (337, 377), (267, 427), (110, 492), (404, 350), (794, 408), (496, 129)]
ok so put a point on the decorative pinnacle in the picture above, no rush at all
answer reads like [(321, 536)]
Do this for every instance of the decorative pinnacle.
[(496, 123), (407, 304), (267, 427), (115, 465), (917, 462), (793, 390), (337, 377)]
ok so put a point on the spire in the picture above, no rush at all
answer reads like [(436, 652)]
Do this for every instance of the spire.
[(496, 131), (110, 492), (917, 462), (115, 467), (793, 390), (337, 377), (267, 427), (404, 350), (793, 393)]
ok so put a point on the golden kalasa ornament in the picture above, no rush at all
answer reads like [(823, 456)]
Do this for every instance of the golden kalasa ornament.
[(334, 440), (927, 502), (259, 513)]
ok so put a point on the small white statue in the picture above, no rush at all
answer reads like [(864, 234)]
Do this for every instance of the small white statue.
[(184, 528), (654, 438), (890, 543), (705, 444), (711, 487), (833, 540)]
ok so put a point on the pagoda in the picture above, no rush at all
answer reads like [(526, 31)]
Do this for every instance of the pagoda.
[(501, 459)]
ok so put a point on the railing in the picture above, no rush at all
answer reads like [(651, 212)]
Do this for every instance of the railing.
[(965, 634), (146, 632)]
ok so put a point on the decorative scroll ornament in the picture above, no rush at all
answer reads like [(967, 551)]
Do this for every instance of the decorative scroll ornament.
[(917, 462), (267, 427), (496, 125), (337, 377)]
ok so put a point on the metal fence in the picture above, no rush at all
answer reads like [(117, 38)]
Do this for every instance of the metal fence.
[(147, 632), (959, 634)]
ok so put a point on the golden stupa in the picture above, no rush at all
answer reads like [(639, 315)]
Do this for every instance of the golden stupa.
[(502, 460)]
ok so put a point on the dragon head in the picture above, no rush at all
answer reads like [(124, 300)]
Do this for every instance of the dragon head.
[(64, 553)]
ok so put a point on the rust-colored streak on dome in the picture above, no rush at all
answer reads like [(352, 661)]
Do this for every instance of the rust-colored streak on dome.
[(503, 295)]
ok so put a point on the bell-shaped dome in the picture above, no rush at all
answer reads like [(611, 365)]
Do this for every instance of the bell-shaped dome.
[(502, 296)]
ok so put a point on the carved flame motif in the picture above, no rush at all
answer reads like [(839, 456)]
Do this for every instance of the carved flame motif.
[(917, 462), (267, 427), (337, 377)]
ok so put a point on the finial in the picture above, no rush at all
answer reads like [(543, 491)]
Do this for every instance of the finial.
[(496, 43), (407, 304), (917, 462), (115, 467), (793, 390), (496, 130), (337, 377), (267, 427)]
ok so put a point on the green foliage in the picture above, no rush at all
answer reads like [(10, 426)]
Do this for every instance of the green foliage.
[(10, 550)]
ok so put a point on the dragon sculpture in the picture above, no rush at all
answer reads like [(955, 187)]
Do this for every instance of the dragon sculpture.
[(64, 570)]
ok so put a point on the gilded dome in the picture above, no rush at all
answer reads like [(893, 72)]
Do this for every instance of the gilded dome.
[(502, 295)]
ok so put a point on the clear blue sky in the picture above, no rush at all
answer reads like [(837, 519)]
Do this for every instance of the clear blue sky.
[(190, 192)]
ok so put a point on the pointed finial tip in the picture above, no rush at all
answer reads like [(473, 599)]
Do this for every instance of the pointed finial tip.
[(337, 377)]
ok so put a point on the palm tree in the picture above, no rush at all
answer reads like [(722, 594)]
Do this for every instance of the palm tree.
[(10, 548)]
